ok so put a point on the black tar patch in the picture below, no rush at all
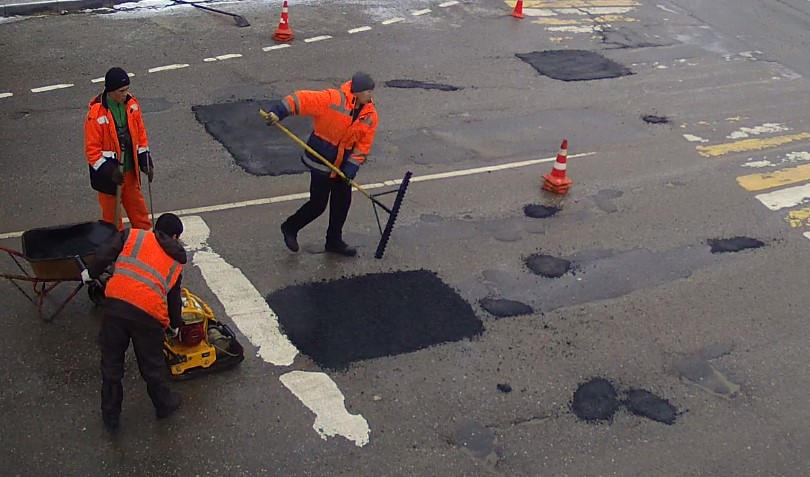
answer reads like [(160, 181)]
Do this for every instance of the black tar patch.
[(503, 308), (65, 241), (537, 211), (595, 400), (735, 244), (646, 404), (406, 83), (383, 314), (257, 148), (548, 266), (573, 65), (652, 119)]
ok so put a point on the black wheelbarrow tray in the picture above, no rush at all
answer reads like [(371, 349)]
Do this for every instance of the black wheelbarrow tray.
[(51, 257)]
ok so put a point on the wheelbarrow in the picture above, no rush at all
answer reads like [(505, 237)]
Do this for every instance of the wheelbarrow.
[(51, 257)]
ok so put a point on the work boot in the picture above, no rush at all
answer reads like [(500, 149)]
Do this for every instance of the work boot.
[(110, 421), (290, 237), (341, 248), (172, 404)]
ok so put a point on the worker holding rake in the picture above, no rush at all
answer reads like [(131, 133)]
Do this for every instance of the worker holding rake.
[(345, 122)]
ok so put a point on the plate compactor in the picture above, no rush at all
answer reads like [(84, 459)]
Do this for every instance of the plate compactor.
[(203, 345)]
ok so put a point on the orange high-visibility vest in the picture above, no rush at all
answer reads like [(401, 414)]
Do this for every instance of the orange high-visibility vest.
[(144, 274)]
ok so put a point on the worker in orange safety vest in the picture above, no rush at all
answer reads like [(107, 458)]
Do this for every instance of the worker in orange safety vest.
[(143, 301), (116, 147), (345, 122)]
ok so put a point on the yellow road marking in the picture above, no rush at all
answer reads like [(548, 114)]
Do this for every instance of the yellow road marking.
[(799, 218), (778, 178), (749, 145)]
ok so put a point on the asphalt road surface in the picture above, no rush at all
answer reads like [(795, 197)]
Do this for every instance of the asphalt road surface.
[(651, 321)]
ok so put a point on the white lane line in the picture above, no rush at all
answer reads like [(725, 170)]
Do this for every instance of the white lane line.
[(229, 56), (807, 235), (275, 47), (784, 198), (99, 80), (209, 60), (359, 29), (321, 395), (42, 89), (317, 38), (6, 95), (448, 4), (244, 304), (176, 66), (393, 20), (305, 195), (421, 12)]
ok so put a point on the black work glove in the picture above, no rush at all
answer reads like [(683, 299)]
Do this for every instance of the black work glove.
[(116, 175), (146, 165)]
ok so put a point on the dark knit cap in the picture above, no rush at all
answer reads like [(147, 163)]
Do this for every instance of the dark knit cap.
[(169, 224), (362, 82), (115, 78)]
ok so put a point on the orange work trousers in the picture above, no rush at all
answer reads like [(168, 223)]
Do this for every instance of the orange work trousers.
[(132, 202)]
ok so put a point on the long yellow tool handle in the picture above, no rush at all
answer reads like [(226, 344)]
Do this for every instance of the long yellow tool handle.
[(301, 143)]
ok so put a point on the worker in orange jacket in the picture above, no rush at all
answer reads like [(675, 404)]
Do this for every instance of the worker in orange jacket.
[(345, 122), (116, 147), (143, 300)]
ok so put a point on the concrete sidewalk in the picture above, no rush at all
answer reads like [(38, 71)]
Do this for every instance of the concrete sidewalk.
[(10, 8)]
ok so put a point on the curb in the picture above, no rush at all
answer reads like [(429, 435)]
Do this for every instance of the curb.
[(31, 8)]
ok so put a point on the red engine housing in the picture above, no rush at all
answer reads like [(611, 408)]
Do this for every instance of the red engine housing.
[(191, 335)]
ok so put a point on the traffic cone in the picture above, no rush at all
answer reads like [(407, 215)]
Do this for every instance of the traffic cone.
[(283, 32), (556, 181), (518, 11)]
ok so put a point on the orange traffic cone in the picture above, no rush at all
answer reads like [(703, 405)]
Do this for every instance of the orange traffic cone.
[(283, 32), (557, 181), (518, 11)]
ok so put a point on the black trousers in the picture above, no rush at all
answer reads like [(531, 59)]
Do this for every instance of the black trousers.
[(322, 191), (147, 340)]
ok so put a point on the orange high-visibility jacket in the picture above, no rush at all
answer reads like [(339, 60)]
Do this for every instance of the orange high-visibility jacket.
[(337, 137), (101, 140), (144, 274)]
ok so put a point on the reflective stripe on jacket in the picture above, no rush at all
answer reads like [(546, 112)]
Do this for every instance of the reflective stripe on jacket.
[(144, 274), (336, 136), (101, 140)]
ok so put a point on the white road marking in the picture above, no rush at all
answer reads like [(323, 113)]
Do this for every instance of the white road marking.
[(359, 29), (42, 89), (393, 20), (693, 138), (421, 12), (448, 4), (305, 195), (6, 95), (317, 38), (807, 234), (242, 302), (784, 198), (321, 395), (275, 47), (209, 60), (766, 128), (176, 66), (666, 9), (229, 56), (764, 163)]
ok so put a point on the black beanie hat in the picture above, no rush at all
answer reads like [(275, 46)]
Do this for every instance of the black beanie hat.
[(362, 82), (115, 78), (169, 224)]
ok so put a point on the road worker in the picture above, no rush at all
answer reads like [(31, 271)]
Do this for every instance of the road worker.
[(143, 302), (116, 147), (345, 122)]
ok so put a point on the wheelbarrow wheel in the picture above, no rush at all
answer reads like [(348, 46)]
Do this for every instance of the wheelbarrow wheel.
[(96, 294)]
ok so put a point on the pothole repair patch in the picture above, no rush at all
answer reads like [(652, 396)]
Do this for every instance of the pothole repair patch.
[(537, 211), (548, 266), (652, 119), (595, 400), (735, 244), (573, 65), (503, 308), (257, 148), (353, 319), (407, 83), (646, 404)]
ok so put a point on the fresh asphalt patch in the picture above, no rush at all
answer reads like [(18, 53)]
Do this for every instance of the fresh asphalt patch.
[(597, 400), (653, 119), (407, 83), (503, 308), (735, 244), (257, 148), (537, 211), (340, 322), (646, 404), (573, 65), (548, 266)]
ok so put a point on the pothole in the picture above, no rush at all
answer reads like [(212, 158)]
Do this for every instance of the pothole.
[(537, 211), (651, 119), (573, 65), (407, 83), (735, 244), (548, 266)]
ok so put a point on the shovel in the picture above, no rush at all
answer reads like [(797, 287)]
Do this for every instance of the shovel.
[(239, 19)]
